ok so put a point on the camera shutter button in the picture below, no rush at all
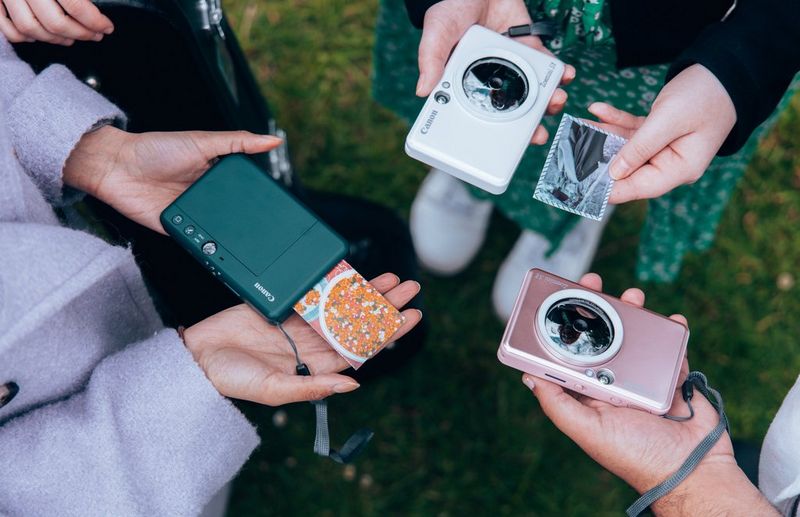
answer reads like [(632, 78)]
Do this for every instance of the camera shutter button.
[(209, 248)]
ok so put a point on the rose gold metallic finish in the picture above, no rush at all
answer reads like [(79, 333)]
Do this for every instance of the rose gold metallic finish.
[(645, 369)]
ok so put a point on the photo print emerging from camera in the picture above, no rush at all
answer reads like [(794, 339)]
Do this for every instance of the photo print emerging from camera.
[(575, 176)]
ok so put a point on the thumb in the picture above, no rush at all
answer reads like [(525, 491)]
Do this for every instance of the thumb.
[(566, 412), (282, 388), (655, 134), (219, 143), (439, 36)]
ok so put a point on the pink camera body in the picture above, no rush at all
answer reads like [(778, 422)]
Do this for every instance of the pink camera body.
[(594, 344)]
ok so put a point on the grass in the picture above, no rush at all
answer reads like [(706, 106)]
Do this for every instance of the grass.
[(456, 432)]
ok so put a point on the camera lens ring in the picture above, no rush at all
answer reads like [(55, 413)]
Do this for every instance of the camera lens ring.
[(555, 345), (495, 86)]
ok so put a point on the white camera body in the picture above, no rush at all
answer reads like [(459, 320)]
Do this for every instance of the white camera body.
[(482, 113)]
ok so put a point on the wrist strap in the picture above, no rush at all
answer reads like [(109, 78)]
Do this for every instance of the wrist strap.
[(694, 380), (322, 443)]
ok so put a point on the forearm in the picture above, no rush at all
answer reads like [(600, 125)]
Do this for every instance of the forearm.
[(149, 435), (715, 490)]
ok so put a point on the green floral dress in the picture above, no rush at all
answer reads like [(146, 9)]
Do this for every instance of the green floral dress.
[(683, 221)]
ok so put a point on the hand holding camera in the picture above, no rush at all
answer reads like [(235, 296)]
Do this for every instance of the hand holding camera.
[(140, 174), (447, 21), (644, 449)]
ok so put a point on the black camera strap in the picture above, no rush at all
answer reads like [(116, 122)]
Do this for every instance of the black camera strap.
[(693, 380), (544, 30), (354, 445)]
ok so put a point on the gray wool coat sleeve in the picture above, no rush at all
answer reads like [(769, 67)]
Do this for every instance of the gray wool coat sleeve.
[(113, 416), (148, 435)]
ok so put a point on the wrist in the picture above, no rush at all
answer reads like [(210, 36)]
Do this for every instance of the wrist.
[(94, 159), (714, 488)]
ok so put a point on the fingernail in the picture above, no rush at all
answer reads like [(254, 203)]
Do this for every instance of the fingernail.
[(97, 37), (419, 312), (270, 138), (618, 167), (109, 30), (345, 387), (528, 381), (420, 82)]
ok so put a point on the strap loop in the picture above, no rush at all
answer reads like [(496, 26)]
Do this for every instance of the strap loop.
[(354, 445)]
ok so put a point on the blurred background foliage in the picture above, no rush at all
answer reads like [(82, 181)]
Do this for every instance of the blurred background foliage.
[(457, 433)]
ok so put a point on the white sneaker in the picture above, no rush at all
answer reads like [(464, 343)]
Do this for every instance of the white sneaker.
[(448, 224), (571, 260)]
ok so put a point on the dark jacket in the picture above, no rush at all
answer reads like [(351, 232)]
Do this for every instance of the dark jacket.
[(754, 53)]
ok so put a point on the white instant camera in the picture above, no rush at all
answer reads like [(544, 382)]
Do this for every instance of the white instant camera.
[(482, 114)]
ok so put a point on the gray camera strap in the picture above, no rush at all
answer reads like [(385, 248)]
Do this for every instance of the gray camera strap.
[(322, 443), (694, 380)]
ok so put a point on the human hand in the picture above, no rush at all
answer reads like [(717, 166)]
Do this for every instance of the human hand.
[(140, 174), (53, 21), (246, 358), (445, 22), (688, 123), (645, 449)]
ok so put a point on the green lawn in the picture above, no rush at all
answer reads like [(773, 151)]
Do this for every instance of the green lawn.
[(456, 432)]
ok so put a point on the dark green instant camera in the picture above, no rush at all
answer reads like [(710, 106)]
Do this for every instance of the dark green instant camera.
[(266, 246)]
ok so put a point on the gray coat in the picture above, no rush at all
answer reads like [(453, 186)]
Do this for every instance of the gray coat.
[(112, 415)]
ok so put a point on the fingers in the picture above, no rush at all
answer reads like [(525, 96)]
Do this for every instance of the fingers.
[(403, 293), (219, 143), (26, 23), (282, 388), (411, 317), (557, 102), (568, 414), (654, 135), (633, 296), (439, 36), (592, 281), (611, 115), (385, 282), (540, 136), (680, 318), (569, 75), (8, 29), (56, 21), (88, 15), (646, 182)]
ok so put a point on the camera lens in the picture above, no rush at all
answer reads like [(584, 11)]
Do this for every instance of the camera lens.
[(495, 85), (578, 328)]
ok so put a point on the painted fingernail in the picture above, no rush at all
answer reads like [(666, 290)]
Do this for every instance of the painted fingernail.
[(528, 381), (345, 387)]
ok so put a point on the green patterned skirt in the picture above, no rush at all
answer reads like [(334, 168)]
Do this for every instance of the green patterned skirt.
[(683, 221)]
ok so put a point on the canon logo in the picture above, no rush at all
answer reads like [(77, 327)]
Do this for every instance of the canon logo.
[(263, 290), (428, 123), (549, 74)]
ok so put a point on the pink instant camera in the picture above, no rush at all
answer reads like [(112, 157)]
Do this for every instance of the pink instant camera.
[(594, 344)]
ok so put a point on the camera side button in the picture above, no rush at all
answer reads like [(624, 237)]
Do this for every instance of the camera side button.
[(616, 401), (580, 387), (177, 219), (189, 230)]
